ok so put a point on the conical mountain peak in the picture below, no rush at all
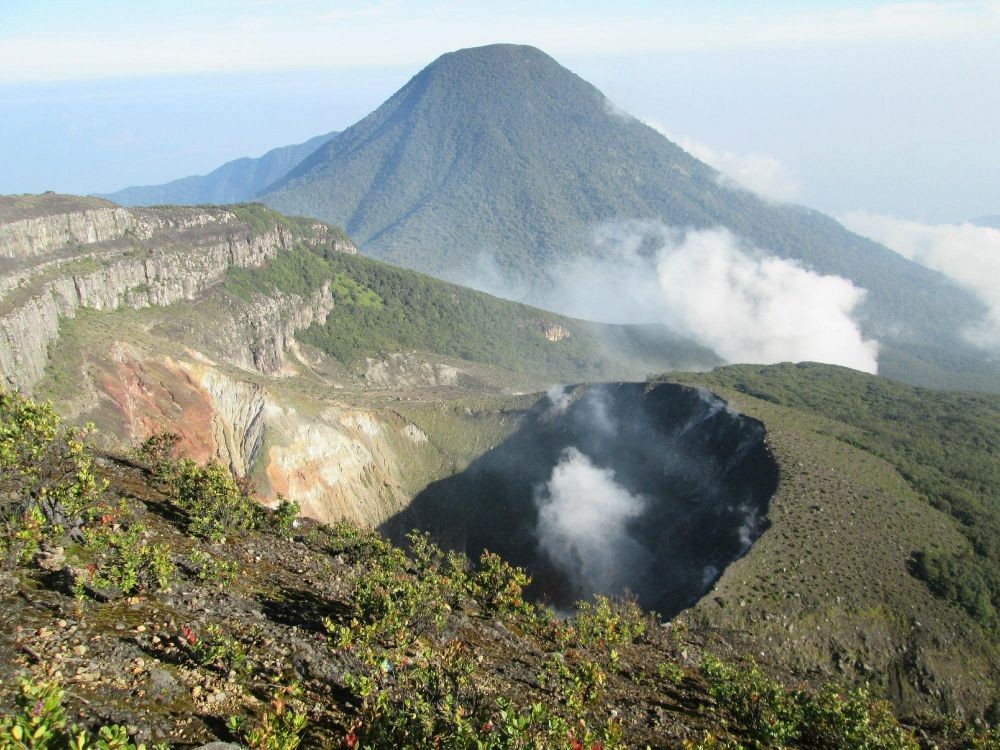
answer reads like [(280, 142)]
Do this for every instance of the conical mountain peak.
[(499, 153)]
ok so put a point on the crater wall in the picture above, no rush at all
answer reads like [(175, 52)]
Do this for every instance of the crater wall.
[(649, 490)]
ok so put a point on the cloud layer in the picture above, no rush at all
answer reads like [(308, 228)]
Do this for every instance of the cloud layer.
[(967, 253), (744, 304), (765, 175), (186, 36)]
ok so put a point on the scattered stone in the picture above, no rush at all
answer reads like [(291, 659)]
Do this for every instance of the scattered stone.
[(52, 559), (162, 684)]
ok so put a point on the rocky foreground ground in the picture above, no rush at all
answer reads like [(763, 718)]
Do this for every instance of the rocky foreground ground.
[(154, 595)]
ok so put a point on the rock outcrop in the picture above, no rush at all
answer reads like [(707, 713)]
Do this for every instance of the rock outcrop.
[(106, 258), (342, 462), (258, 335), (212, 376), (44, 234)]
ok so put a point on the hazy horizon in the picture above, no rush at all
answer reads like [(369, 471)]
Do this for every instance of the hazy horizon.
[(881, 107)]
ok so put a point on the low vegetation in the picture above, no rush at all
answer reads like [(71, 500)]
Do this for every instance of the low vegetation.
[(40, 723), (775, 716), (336, 638), (380, 310), (946, 445)]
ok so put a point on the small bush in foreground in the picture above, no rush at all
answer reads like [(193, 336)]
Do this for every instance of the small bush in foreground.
[(279, 726), (498, 586), (604, 622), (773, 716), (40, 724), (282, 520), (214, 504), (124, 559), (47, 483)]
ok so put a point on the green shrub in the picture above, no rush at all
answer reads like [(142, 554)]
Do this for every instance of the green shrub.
[(498, 586), (432, 700), (831, 719), (282, 520), (213, 502), (773, 716), (709, 741), (208, 569), (47, 481), (578, 682), (40, 724), (389, 604), (988, 739), (216, 650), (25, 535), (448, 570), (279, 726), (159, 450), (608, 624), (671, 672), (764, 709), (123, 559)]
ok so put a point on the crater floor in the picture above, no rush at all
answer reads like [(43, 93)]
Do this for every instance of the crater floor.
[(611, 489)]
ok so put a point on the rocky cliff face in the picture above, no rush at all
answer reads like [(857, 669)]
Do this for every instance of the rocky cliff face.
[(43, 234), (211, 368), (258, 335), (336, 460), (109, 258)]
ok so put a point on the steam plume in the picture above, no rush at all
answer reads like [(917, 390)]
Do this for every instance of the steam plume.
[(583, 525), (559, 398), (968, 253), (706, 284)]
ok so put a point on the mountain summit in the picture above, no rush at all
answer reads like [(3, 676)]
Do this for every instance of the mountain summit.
[(496, 165), (494, 149), (499, 152)]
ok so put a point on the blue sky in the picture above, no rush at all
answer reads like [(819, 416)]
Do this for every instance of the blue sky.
[(883, 106)]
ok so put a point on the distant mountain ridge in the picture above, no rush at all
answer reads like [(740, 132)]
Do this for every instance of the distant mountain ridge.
[(233, 182), (500, 152)]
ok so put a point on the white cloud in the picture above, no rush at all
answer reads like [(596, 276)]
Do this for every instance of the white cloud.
[(208, 37), (765, 175), (744, 304), (750, 307), (967, 253), (583, 517)]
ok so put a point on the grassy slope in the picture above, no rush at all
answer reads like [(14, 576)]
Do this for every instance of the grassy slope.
[(381, 309), (863, 459), (499, 150), (412, 311), (946, 445)]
